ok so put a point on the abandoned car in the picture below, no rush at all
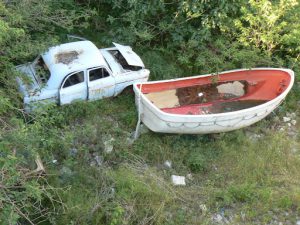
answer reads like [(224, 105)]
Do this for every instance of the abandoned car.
[(79, 71)]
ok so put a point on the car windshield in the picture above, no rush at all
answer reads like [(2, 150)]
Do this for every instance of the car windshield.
[(41, 70)]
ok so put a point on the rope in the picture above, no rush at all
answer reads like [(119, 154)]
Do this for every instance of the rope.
[(137, 128)]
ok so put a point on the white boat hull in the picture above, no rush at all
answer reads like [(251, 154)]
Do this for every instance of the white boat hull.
[(159, 121)]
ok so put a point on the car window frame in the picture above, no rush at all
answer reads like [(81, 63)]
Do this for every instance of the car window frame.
[(110, 74), (67, 77)]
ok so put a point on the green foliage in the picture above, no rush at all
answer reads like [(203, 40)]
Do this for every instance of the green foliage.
[(167, 23), (131, 186), (262, 23), (49, 15), (157, 61), (142, 189), (22, 191), (197, 162)]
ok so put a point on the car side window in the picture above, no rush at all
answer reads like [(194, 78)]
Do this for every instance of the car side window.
[(75, 78), (98, 73)]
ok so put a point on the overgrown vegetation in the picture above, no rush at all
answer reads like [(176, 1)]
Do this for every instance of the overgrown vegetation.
[(246, 176)]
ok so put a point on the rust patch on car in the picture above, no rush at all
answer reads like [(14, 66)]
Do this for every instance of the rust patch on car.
[(67, 57)]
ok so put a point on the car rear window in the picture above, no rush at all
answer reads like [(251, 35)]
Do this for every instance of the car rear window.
[(41, 70)]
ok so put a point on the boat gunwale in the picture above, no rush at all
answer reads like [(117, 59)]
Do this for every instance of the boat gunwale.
[(139, 93)]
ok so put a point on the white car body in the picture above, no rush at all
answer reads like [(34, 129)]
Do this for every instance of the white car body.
[(80, 71)]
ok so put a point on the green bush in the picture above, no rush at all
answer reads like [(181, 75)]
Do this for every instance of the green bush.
[(197, 162)]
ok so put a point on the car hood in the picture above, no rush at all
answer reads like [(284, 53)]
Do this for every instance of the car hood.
[(130, 56)]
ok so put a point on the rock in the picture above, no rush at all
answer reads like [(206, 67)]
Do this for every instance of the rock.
[(168, 164), (92, 163), (289, 124), (129, 141), (298, 222), (178, 180), (281, 129), (203, 208), (294, 150), (98, 160), (217, 218), (113, 190), (215, 167), (189, 176), (255, 137), (286, 119), (292, 115), (108, 145), (293, 122), (243, 215), (73, 151), (54, 161)]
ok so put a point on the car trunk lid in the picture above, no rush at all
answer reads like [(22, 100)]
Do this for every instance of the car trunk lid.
[(130, 56)]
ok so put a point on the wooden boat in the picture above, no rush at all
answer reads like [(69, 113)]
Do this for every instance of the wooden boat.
[(212, 103)]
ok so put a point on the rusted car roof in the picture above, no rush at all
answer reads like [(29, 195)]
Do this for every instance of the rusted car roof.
[(71, 57)]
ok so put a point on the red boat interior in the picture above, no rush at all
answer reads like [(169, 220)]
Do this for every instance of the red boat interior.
[(217, 93)]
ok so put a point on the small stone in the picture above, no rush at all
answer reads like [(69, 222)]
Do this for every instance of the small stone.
[(217, 218), (293, 122), (108, 143), (189, 176), (289, 124), (168, 164), (73, 152), (286, 119), (243, 215), (215, 167), (113, 190), (276, 119), (108, 146), (129, 141), (203, 208), (294, 150), (98, 160), (255, 137), (298, 222), (281, 129), (54, 161), (292, 115), (178, 180)]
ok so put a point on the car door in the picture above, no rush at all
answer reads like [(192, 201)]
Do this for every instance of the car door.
[(101, 83), (74, 87)]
